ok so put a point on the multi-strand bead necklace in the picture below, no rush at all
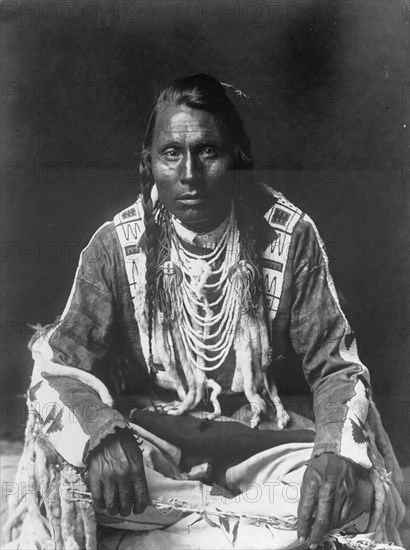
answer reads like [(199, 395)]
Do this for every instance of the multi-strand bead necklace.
[(208, 327)]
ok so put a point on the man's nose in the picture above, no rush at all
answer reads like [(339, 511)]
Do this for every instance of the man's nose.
[(189, 168)]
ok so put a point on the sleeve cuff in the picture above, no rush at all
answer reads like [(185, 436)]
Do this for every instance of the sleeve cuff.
[(108, 428), (354, 451)]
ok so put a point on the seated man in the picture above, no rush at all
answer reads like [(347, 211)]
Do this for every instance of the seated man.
[(189, 295)]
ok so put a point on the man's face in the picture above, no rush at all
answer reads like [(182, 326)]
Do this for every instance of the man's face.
[(190, 159)]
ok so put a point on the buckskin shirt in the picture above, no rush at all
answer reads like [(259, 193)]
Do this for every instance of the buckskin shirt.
[(99, 347), (97, 343)]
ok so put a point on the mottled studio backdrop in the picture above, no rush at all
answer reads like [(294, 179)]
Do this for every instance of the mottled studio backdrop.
[(329, 93)]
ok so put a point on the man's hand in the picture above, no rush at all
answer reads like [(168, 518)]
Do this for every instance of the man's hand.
[(327, 495), (116, 475)]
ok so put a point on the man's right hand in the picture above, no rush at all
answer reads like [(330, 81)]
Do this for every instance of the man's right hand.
[(116, 475)]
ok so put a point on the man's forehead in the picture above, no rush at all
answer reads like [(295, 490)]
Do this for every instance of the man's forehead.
[(182, 121)]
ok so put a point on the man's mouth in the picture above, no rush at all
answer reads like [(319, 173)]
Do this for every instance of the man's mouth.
[(191, 200)]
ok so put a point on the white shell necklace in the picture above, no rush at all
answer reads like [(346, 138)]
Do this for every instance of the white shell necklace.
[(208, 327)]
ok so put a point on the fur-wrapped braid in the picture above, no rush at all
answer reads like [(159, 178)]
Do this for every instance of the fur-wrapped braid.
[(45, 513), (388, 509)]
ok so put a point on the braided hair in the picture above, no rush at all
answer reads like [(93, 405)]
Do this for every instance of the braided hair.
[(205, 93)]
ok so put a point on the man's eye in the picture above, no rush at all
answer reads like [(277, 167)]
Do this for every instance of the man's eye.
[(171, 154), (208, 153)]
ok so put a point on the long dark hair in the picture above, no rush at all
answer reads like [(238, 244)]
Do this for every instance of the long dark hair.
[(202, 92)]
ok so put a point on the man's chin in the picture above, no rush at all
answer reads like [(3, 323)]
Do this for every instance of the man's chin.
[(200, 221), (201, 217)]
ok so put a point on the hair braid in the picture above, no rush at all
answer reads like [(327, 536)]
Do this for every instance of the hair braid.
[(151, 243), (246, 214)]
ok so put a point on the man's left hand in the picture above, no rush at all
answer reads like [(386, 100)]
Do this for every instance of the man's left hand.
[(327, 495)]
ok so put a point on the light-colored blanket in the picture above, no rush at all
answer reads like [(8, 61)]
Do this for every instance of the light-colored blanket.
[(268, 485)]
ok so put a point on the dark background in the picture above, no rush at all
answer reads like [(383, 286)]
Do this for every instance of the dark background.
[(328, 119)]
